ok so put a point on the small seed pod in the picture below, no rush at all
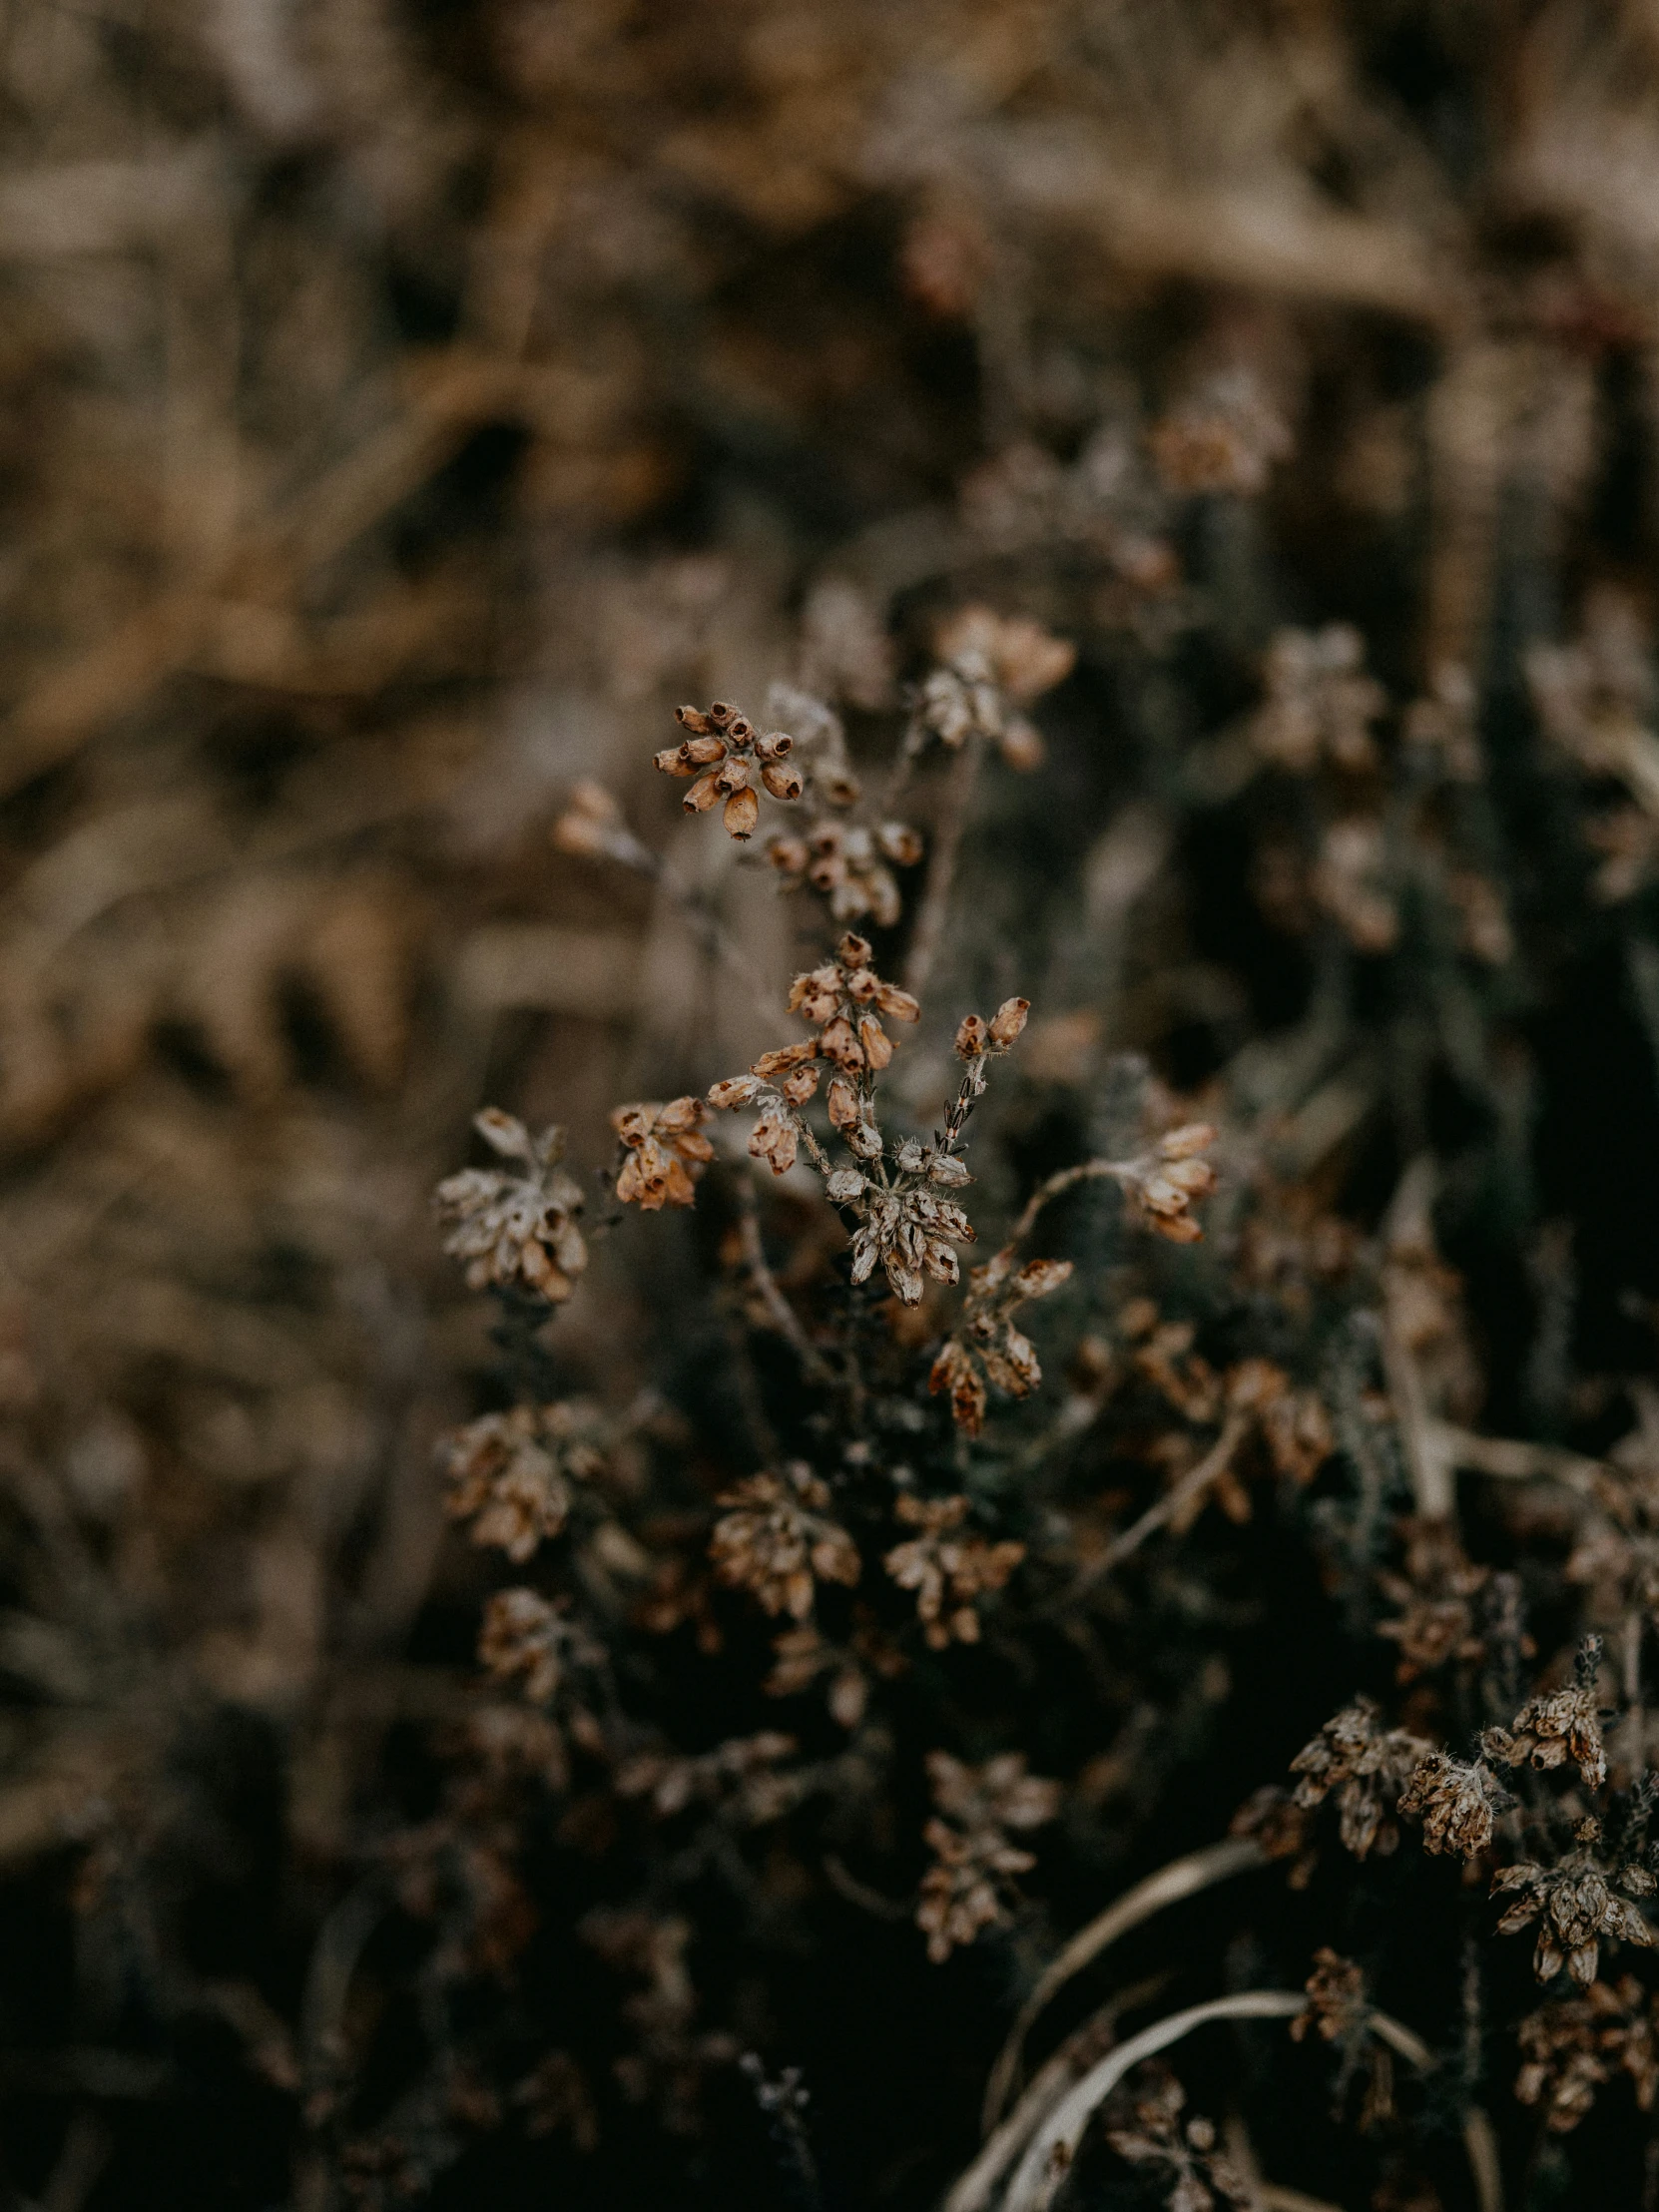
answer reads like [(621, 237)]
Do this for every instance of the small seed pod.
[(720, 713), (704, 750), (702, 794), (841, 789), (1009, 1020), (972, 1037), (733, 777), (692, 718), (740, 728), (855, 951), (733, 1090), (800, 1084), (783, 783), (742, 811), (826, 872), (671, 762), (875, 1042), (773, 745)]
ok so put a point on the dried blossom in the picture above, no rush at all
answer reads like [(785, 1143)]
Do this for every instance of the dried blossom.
[(1436, 1622), (661, 1146), (963, 1892), (777, 1541), (1271, 1818), (737, 1779), (1458, 1803), (509, 1473), (947, 1571), (1578, 1908), (1224, 436), (985, 1348), (729, 759), (1596, 696), (1319, 703), (516, 1230), (1197, 2176), (1571, 2047), (851, 866), (990, 665), (1367, 1766), (1337, 2007), (523, 1634), (801, 1656), (1163, 1185), (1351, 882), (1558, 1726), (592, 825)]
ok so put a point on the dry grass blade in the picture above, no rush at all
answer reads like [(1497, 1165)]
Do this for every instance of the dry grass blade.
[(1182, 1877)]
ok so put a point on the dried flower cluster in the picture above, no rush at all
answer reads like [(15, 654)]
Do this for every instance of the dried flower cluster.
[(730, 760), (510, 1474), (947, 1571), (963, 1891), (516, 1231), (777, 1541), (990, 666)]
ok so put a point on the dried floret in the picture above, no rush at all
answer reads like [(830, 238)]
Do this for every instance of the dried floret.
[(1365, 1765), (524, 1635), (1458, 1803), (963, 1892), (1558, 1726), (510, 1474), (777, 1541), (516, 1231), (947, 1571), (662, 1146), (1577, 1907), (990, 665)]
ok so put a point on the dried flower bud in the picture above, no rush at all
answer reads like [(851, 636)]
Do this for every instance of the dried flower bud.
[(838, 1043), (742, 811), (972, 1037), (899, 844), (1008, 1021), (1182, 1143), (733, 1090), (855, 951), (1040, 1278), (774, 1140), (733, 777), (671, 761), (789, 856), (773, 745), (720, 714), (783, 783), (842, 1102), (946, 1170), (692, 718), (865, 1141), (785, 1056), (898, 1005), (875, 1042), (839, 789), (702, 794), (800, 1084), (702, 752), (1022, 744), (844, 1186)]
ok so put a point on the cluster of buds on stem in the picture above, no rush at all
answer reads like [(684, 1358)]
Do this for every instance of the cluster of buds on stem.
[(990, 666), (516, 1230), (850, 865), (727, 758), (662, 1149), (1161, 1184)]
